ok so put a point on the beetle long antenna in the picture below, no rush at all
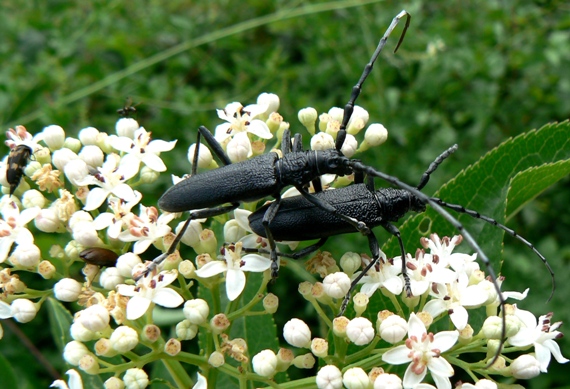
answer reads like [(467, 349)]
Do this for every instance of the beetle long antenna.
[(453, 221), (513, 233), (349, 107)]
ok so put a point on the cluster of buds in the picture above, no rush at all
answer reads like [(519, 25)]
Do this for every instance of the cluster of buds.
[(80, 192)]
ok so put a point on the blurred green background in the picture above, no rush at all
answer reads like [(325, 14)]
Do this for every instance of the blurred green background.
[(472, 73)]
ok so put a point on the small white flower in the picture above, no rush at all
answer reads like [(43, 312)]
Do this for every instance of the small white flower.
[(454, 298), (424, 270), (67, 290), (124, 339), (74, 381), (297, 333), (267, 102), (23, 310), (356, 378), (349, 146), (126, 264), (120, 216), (265, 363), (423, 350), (329, 377), (13, 227), (76, 172), (150, 290), (360, 331), (234, 266), (74, 351), (239, 148), (241, 119), (186, 330), (141, 149), (383, 274), (205, 158), (146, 229), (80, 333), (60, 158), (109, 179), (541, 335), (27, 256), (336, 285)]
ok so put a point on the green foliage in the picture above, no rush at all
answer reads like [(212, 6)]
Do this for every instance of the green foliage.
[(472, 73)]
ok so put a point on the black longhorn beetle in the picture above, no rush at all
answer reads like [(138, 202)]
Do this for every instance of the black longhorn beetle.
[(299, 220), (267, 174)]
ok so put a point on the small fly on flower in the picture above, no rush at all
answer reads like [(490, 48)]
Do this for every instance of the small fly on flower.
[(128, 109), (17, 161)]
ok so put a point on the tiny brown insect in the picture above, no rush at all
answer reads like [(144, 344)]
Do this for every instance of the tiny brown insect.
[(99, 256), (17, 161)]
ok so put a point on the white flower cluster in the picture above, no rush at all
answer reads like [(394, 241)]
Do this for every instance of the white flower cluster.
[(81, 192)]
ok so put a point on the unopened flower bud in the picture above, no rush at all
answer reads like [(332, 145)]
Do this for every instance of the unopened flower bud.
[(216, 359), (350, 262), (196, 311), (336, 113), (493, 327), (26, 256), (270, 303), (322, 141), (80, 333), (265, 363), (297, 333), (239, 148), (110, 278), (95, 318), (148, 175), (76, 171), (320, 347), (305, 289), (336, 285), (271, 100), (46, 269), (525, 367), (67, 290), (186, 330), (53, 136), (393, 329), (88, 135), (349, 146), (208, 241), (126, 263), (205, 159), (103, 348), (339, 326), (466, 334), (23, 310), (33, 198), (92, 155), (308, 117), (388, 381), (274, 122), (48, 221), (191, 236), (150, 333), (62, 157), (74, 351), (360, 331), (135, 379), (126, 127), (329, 377), (375, 134), (356, 378), (72, 144), (124, 339)]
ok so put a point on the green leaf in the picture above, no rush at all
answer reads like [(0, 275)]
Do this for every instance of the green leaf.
[(7, 373), (507, 173), (60, 319)]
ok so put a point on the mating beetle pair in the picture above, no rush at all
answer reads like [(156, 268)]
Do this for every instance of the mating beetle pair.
[(355, 208)]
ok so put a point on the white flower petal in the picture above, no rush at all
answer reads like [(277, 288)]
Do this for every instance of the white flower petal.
[(137, 307), (397, 355), (211, 269), (445, 340), (235, 283), (168, 298), (411, 379), (255, 263)]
